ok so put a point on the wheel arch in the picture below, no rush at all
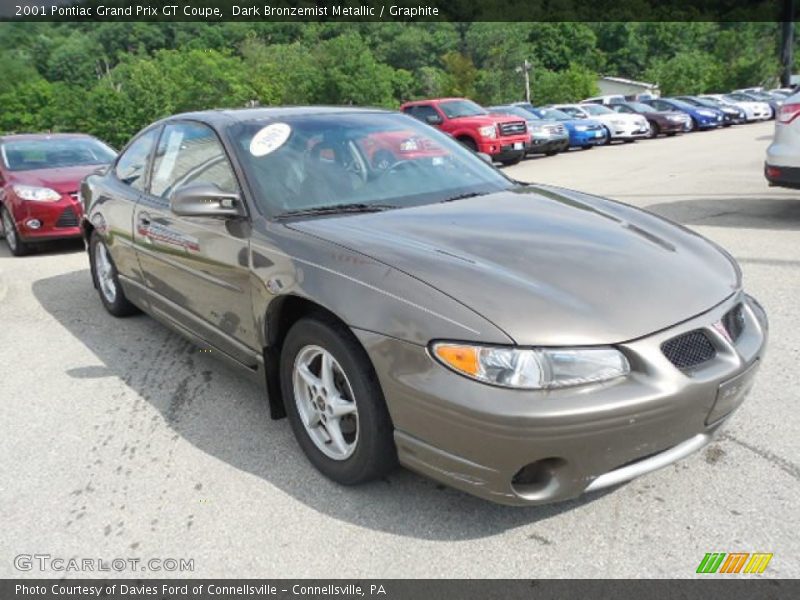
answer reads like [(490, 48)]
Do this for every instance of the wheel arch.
[(283, 312)]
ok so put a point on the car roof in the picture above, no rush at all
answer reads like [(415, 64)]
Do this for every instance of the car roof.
[(219, 117), (42, 136)]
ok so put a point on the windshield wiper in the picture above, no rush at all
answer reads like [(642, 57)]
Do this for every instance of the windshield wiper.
[(354, 207), (463, 196)]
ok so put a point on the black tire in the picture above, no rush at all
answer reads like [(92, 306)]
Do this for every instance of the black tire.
[(511, 161), (630, 141), (671, 134), (692, 124), (15, 245), (654, 130), (589, 147), (469, 143), (375, 454), (607, 140), (551, 153), (119, 306)]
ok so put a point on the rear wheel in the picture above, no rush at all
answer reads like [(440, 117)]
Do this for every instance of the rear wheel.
[(335, 403), (14, 243), (551, 153), (106, 279), (588, 147)]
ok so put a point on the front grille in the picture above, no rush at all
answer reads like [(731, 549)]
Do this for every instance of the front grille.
[(733, 322), (514, 128), (68, 218), (556, 129), (689, 349)]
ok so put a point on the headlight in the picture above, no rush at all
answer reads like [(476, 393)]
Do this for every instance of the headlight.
[(581, 128), (489, 131), (532, 368), (37, 194)]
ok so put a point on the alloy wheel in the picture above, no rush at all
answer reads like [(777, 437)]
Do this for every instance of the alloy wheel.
[(9, 231), (105, 273), (325, 402)]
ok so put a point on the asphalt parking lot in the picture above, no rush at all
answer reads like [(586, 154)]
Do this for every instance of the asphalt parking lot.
[(120, 439)]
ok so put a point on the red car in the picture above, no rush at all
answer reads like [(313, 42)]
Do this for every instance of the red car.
[(503, 137), (40, 175)]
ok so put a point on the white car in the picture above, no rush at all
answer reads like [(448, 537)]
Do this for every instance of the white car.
[(753, 111), (782, 167), (625, 127), (606, 100)]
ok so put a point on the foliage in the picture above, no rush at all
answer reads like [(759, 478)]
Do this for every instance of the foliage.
[(110, 79)]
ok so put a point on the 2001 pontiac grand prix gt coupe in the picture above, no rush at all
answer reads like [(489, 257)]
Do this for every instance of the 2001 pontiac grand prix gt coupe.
[(403, 300)]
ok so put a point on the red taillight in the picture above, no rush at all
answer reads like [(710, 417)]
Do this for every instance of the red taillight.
[(788, 113)]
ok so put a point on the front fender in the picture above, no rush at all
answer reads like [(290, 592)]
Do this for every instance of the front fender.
[(363, 292)]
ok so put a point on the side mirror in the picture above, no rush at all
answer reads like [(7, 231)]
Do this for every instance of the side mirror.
[(205, 200), (485, 157), (433, 120)]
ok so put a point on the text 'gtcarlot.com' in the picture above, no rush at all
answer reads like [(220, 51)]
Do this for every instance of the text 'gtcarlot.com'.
[(47, 562)]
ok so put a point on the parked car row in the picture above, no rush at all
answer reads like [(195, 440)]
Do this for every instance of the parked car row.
[(40, 174)]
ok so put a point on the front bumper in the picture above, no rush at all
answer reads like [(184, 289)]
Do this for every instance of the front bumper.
[(56, 220), (670, 126), (542, 145), (478, 438), (505, 148), (628, 132), (587, 138), (708, 122)]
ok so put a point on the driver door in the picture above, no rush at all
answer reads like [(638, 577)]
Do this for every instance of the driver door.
[(197, 268)]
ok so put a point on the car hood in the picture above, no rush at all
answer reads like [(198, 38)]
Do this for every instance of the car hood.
[(64, 180), (547, 266)]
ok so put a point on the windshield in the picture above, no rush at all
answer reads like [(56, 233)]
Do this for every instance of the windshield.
[(741, 97), (461, 108), (596, 109), (378, 160), (554, 114), (516, 111), (680, 104), (54, 153), (642, 108)]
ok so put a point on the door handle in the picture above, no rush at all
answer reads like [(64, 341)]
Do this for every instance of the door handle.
[(144, 218)]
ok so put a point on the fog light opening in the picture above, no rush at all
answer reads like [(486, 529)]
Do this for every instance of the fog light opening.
[(538, 480), (33, 223)]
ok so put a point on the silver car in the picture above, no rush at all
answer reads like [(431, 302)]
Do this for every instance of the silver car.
[(522, 343)]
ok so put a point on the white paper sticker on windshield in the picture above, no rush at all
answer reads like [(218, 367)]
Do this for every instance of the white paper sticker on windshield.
[(269, 139)]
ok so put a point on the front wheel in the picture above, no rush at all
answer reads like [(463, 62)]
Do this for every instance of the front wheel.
[(14, 243), (607, 140), (335, 403), (654, 130), (106, 279)]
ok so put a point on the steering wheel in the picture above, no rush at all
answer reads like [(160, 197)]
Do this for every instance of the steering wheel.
[(394, 167)]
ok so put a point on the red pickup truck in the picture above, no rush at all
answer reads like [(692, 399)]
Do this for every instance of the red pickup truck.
[(505, 138)]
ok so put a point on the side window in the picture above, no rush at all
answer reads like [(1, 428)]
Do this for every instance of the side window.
[(190, 153), (132, 165), (425, 111), (659, 105)]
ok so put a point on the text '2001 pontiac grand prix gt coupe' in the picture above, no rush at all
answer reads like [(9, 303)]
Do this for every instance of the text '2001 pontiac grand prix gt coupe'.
[(403, 300)]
